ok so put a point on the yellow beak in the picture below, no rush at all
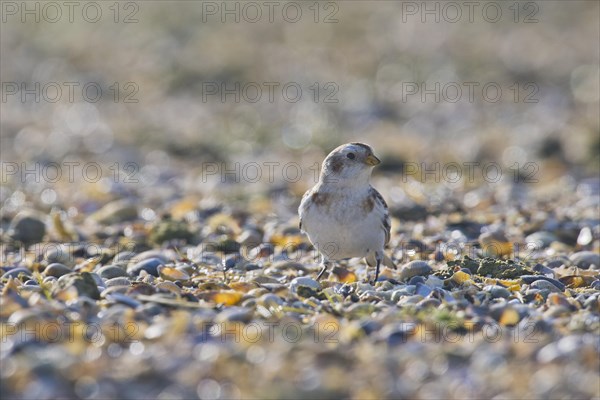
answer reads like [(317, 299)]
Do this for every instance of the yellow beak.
[(372, 160)]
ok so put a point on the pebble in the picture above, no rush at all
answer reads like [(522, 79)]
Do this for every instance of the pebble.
[(541, 239), (58, 255), (27, 227), (150, 266), (497, 291), (15, 272), (530, 279), (84, 282), (123, 256), (586, 259), (546, 285), (235, 314), (400, 293), (168, 286), (423, 290), (305, 285), (115, 211), (57, 270), (119, 281), (270, 300), (541, 269), (123, 299), (172, 274), (112, 271), (415, 268)]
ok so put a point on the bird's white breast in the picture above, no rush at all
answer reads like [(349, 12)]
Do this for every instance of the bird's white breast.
[(340, 227)]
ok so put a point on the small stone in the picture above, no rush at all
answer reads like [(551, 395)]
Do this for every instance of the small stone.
[(169, 229), (119, 281), (123, 256), (585, 236), (304, 282), (545, 285), (415, 268), (585, 259), (434, 281), (58, 255), (123, 299), (410, 300), (270, 300), (15, 272), (150, 266), (235, 314), (114, 212), (428, 303), (533, 278), (173, 274), (423, 290), (408, 290), (250, 238), (540, 240), (168, 286), (497, 291), (541, 269), (83, 282), (57, 270), (27, 227), (111, 271)]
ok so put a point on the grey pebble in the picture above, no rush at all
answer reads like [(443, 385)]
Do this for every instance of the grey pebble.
[(585, 259), (150, 266), (57, 270), (306, 282), (415, 268), (119, 281), (27, 227), (546, 285), (497, 291), (235, 314), (112, 271), (123, 299), (15, 273), (530, 279)]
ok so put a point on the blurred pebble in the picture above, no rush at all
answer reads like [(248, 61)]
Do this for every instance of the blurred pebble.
[(585, 259), (150, 266), (27, 227), (111, 271), (415, 268), (57, 270)]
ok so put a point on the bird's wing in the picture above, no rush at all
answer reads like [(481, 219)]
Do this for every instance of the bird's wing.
[(382, 207), (304, 205)]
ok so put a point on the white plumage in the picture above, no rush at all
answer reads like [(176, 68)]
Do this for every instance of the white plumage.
[(343, 215)]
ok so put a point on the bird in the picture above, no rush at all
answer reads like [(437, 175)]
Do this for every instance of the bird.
[(343, 215)]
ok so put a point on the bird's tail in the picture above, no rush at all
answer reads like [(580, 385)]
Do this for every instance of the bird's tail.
[(388, 262)]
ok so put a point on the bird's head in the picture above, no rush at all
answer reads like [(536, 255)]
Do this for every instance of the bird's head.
[(349, 163)]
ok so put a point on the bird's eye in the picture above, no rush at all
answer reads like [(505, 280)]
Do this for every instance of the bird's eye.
[(351, 156)]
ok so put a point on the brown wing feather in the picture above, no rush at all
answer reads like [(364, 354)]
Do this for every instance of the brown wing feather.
[(386, 222)]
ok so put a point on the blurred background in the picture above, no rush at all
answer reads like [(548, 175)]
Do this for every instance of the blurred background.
[(175, 94)]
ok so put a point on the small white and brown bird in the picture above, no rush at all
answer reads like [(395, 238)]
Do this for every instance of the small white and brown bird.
[(343, 215)]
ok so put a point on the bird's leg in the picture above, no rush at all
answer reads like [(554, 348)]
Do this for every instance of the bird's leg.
[(326, 264), (377, 265)]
